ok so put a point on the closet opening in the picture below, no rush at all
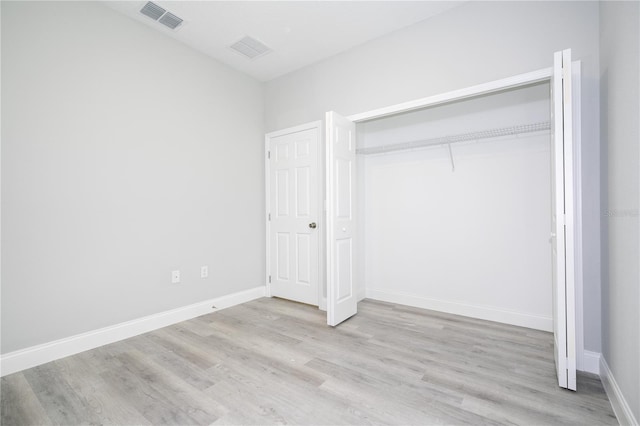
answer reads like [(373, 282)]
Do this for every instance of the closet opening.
[(454, 207)]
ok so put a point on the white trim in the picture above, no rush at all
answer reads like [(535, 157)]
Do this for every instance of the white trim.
[(455, 95), (295, 129), (464, 309), (590, 362), (30, 357), (318, 125), (618, 402), (267, 212), (322, 255)]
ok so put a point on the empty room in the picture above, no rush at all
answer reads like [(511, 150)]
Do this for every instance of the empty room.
[(320, 212)]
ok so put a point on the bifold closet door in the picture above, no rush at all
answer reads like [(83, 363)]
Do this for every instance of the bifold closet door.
[(342, 301), (562, 223)]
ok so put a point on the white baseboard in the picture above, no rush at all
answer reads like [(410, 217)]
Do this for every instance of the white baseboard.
[(474, 311), (362, 294), (36, 355), (590, 362), (618, 402)]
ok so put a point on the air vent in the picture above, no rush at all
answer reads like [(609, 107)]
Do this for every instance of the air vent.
[(161, 15), (152, 10), (250, 48), (170, 20)]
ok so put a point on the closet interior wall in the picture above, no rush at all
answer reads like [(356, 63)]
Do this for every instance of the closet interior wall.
[(471, 239)]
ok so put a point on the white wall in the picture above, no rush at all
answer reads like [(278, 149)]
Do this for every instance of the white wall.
[(474, 241), (125, 155), (620, 115), (470, 44)]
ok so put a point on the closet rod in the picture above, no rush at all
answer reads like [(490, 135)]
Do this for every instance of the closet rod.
[(483, 134)]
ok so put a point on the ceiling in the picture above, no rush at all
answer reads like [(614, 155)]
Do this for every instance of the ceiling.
[(300, 33)]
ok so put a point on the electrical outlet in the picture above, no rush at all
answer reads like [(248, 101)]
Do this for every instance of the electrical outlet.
[(204, 271), (175, 277)]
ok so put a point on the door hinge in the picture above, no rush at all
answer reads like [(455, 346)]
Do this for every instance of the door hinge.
[(269, 216), (269, 279), (269, 154)]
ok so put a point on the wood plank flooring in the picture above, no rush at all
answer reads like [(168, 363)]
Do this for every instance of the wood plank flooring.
[(272, 361)]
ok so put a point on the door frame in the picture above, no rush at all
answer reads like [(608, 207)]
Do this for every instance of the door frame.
[(538, 76), (318, 125)]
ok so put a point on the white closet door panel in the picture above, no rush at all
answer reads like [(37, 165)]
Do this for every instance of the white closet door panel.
[(562, 219), (342, 301)]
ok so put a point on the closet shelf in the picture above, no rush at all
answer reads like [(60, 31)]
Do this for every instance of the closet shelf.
[(483, 134)]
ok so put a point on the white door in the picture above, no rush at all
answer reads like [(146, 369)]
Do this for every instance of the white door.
[(342, 300), (562, 223), (293, 213)]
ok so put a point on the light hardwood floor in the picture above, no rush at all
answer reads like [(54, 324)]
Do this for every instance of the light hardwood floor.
[(273, 361)]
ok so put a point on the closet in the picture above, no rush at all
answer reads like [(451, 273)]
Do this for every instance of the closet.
[(455, 207), (461, 202)]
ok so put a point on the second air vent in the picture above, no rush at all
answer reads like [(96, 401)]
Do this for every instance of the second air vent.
[(161, 15), (170, 20), (250, 47)]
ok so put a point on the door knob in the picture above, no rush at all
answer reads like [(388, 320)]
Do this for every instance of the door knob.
[(312, 225)]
